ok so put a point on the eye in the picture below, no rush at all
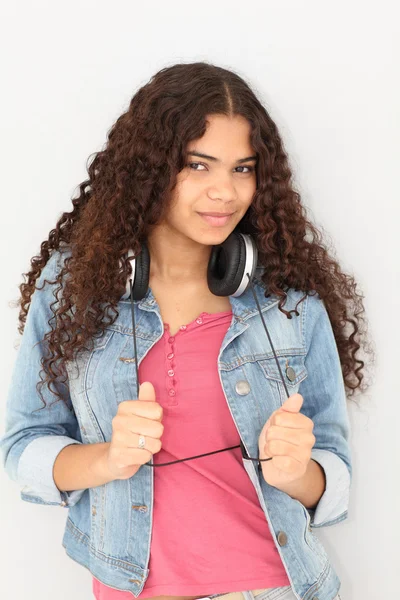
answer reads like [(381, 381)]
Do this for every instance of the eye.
[(250, 169), (194, 163)]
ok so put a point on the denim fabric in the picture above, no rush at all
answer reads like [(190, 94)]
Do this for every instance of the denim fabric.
[(108, 529), (279, 593)]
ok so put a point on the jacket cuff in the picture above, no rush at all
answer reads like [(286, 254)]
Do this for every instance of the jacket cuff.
[(35, 471), (334, 502)]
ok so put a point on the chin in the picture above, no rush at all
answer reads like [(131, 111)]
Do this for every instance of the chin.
[(213, 237)]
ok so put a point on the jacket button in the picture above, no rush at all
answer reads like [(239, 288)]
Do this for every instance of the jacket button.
[(291, 374), (282, 538), (242, 387)]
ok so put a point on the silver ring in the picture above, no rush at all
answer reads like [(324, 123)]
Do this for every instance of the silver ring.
[(142, 441)]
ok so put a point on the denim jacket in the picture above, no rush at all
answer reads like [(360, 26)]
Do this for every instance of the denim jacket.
[(108, 528)]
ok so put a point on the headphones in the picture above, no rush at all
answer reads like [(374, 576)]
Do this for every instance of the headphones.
[(226, 272), (230, 271)]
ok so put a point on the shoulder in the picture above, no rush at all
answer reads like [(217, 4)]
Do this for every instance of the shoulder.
[(305, 302), (51, 270), (307, 306)]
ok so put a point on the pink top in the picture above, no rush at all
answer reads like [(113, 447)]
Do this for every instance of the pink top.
[(209, 533)]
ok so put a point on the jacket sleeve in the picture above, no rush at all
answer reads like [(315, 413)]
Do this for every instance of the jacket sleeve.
[(33, 438), (324, 402)]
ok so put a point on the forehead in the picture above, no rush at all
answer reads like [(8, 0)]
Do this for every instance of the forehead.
[(224, 137)]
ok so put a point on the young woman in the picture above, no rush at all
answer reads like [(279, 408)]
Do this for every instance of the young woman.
[(188, 265)]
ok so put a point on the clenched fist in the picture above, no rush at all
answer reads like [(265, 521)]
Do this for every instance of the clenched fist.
[(288, 438), (135, 418)]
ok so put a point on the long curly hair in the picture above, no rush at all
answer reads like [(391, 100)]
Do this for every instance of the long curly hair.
[(128, 190)]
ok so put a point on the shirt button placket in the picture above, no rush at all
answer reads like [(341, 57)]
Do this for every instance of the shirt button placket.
[(170, 372)]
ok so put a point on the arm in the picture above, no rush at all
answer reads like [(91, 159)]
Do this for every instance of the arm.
[(33, 438), (309, 489), (82, 466), (325, 403)]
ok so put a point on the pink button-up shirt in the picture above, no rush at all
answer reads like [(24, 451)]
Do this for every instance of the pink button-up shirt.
[(209, 532)]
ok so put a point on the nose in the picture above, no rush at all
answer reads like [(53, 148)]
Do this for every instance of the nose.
[(223, 189)]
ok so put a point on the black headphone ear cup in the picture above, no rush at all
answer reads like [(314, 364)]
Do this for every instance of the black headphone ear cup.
[(226, 265), (141, 267)]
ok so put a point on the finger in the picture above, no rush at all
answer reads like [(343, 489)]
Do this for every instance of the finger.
[(143, 408), (288, 464), (292, 404), (144, 426), (295, 421), (147, 391), (280, 448), (151, 444), (297, 437)]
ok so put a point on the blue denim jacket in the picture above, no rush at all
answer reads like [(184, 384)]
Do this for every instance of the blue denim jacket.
[(108, 528)]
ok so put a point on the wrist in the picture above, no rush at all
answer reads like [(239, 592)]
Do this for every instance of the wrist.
[(309, 488), (100, 465)]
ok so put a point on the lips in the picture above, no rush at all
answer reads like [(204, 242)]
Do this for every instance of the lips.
[(215, 214), (216, 221)]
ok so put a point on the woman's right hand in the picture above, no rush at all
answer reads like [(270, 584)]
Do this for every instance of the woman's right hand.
[(135, 417)]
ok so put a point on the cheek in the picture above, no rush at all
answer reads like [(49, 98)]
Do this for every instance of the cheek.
[(182, 210), (181, 215), (190, 199), (185, 196)]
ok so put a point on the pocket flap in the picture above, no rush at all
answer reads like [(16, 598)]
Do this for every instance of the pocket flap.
[(292, 367)]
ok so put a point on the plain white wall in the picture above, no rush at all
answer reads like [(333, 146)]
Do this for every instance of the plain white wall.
[(327, 73)]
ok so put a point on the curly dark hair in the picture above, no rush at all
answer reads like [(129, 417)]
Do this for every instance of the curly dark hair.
[(129, 189)]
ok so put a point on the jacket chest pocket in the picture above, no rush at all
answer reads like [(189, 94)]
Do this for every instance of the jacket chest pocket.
[(82, 369), (88, 374), (93, 358), (291, 368)]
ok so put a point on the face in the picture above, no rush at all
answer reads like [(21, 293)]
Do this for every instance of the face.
[(222, 182)]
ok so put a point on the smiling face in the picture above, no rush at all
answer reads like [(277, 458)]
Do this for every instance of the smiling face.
[(219, 181)]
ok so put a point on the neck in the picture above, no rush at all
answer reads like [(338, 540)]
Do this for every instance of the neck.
[(176, 258)]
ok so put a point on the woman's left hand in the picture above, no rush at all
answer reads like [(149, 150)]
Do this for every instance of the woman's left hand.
[(288, 438)]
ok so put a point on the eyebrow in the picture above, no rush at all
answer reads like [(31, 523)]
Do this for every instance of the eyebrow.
[(206, 156)]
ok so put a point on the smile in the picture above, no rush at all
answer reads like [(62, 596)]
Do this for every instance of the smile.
[(216, 221)]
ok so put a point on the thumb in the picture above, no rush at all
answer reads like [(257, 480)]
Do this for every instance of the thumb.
[(147, 391), (292, 404)]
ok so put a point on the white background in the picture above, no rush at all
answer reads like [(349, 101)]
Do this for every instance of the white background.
[(328, 73)]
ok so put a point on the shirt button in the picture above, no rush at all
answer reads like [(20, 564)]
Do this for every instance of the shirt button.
[(171, 392), (171, 373), (183, 327), (171, 339), (170, 355), (199, 321)]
